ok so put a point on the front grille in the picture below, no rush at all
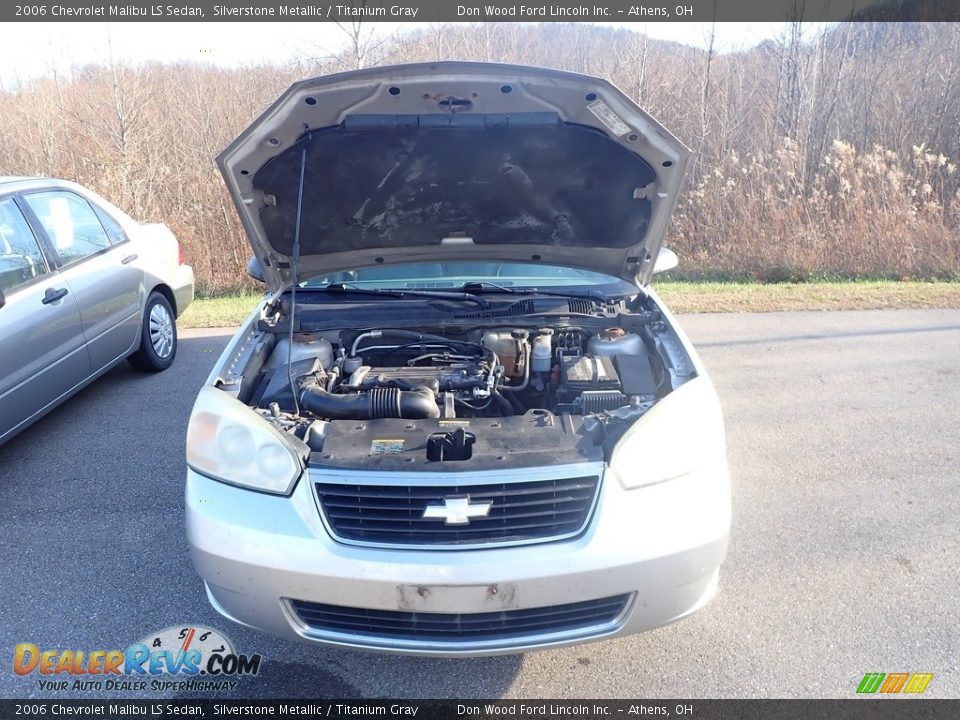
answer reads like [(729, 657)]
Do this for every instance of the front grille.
[(463, 627), (519, 511)]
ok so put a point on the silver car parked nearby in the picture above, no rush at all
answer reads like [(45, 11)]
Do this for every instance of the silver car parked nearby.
[(82, 287), (461, 422)]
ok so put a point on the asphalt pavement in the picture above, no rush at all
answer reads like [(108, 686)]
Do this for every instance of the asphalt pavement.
[(844, 439)]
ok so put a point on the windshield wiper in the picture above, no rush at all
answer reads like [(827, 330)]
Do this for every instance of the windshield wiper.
[(346, 289), (484, 286)]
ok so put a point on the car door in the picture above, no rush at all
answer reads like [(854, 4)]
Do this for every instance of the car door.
[(106, 281), (42, 351)]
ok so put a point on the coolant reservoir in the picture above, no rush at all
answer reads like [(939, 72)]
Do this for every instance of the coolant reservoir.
[(509, 347), (542, 355), (304, 348), (615, 341)]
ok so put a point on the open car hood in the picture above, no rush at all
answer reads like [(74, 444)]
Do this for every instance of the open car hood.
[(454, 161)]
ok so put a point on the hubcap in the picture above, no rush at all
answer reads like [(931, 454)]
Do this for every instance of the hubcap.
[(161, 331)]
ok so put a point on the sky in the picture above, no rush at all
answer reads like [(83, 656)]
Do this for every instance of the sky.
[(30, 50)]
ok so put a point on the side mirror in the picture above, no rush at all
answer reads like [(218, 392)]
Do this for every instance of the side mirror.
[(255, 271), (666, 260), (3, 300)]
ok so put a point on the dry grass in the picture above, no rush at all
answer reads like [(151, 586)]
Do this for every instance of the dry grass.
[(861, 214), (223, 311)]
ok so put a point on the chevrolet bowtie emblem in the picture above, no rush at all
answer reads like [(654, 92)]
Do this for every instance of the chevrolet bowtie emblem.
[(457, 510)]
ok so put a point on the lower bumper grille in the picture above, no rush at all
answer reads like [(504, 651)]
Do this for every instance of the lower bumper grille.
[(395, 625), (515, 512)]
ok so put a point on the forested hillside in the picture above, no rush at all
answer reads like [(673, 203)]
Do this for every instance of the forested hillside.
[(816, 155)]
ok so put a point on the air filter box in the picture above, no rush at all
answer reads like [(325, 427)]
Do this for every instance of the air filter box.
[(636, 375)]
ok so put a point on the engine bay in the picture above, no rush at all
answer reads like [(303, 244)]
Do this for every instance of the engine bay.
[(541, 388)]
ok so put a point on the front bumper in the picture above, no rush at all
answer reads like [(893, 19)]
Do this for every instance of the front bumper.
[(662, 544)]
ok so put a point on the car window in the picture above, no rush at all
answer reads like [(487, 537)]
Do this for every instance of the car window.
[(20, 257), (71, 223), (114, 231)]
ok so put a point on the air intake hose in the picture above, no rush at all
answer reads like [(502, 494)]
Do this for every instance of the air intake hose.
[(379, 402)]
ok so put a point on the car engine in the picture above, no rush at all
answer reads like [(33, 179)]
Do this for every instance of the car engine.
[(550, 387), (408, 374)]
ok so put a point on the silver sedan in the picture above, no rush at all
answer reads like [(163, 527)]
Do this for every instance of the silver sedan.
[(461, 422), (82, 287)]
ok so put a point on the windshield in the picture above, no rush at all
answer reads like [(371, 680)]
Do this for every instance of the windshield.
[(454, 275)]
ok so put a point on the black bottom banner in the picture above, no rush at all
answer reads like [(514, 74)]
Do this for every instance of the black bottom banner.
[(855, 709)]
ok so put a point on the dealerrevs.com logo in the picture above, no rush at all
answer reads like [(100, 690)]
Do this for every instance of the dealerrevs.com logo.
[(179, 659)]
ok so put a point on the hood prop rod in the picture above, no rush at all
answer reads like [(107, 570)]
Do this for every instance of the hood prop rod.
[(295, 262)]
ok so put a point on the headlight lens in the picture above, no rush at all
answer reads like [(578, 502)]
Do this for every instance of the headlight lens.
[(672, 439), (228, 441)]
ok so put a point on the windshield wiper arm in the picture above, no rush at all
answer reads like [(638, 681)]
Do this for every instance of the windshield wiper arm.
[(478, 286), (481, 286), (344, 288)]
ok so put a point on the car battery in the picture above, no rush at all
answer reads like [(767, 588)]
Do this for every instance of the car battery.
[(579, 373)]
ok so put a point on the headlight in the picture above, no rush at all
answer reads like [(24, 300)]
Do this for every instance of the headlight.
[(672, 439), (228, 441)]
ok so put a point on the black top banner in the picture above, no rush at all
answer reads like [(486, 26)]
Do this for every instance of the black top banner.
[(485, 11)]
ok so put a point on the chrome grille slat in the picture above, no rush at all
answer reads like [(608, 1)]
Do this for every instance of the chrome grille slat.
[(394, 518), (330, 503), (407, 625), (522, 511), (405, 492), (443, 530)]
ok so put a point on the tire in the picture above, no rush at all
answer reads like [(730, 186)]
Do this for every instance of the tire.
[(158, 336)]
